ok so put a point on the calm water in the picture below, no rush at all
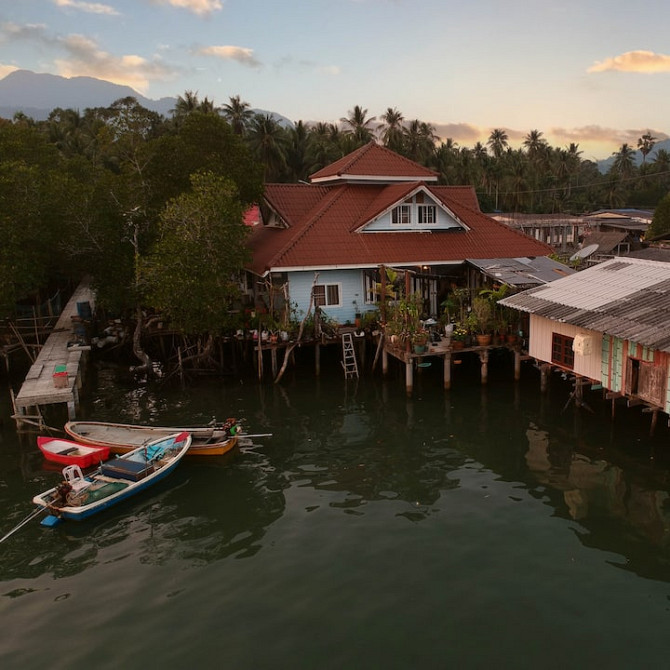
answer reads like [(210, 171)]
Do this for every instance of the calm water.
[(480, 528)]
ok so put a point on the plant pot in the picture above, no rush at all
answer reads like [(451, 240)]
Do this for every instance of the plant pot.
[(420, 348), (484, 340), (457, 344), (511, 339)]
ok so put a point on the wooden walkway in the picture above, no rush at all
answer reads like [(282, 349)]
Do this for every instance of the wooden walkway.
[(39, 386)]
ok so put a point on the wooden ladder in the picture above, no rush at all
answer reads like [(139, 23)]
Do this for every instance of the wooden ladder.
[(349, 357)]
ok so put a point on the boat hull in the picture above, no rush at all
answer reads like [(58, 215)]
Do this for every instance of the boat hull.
[(117, 480), (68, 452), (121, 438)]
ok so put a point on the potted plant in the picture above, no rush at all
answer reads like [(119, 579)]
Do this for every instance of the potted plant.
[(458, 335), (483, 312)]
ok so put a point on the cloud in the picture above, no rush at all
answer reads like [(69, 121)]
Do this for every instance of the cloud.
[(198, 7), (242, 55), (459, 132), (634, 61), (332, 70), (90, 7), (83, 57), (6, 69), (86, 59)]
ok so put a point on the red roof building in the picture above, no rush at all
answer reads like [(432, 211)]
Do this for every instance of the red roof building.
[(374, 207)]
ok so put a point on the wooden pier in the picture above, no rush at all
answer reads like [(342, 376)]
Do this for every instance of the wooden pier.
[(445, 350), (63, 350)]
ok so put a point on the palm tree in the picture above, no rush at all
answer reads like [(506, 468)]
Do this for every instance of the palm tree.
[(498, 141), (185, 105), (297, 150), (392, 129), (624, 164), (358, 124), (535, 144), (420, 139), (645, 144), (238, 114), (268, 143)]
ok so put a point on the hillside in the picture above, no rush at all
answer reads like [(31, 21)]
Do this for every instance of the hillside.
[(36, 95)]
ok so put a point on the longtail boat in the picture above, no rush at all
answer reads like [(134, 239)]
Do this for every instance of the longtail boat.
[(215, 439), (78, 497)]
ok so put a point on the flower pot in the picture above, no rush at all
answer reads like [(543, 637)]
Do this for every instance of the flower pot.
[(484, 340), (420, 348), (457, 344)]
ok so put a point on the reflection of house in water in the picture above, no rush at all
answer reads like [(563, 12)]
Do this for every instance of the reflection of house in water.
[(595, 488)]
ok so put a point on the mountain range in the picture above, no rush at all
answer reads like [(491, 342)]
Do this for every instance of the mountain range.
[(36, 95)]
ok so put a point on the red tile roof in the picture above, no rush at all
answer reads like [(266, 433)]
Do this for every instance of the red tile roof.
[(323, 222), (374, 161)]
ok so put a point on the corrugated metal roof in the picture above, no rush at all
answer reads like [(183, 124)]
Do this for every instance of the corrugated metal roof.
[(522, 272), (625, 297)]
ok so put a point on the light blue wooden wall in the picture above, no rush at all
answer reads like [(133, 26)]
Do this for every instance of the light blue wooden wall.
[(351, 288)]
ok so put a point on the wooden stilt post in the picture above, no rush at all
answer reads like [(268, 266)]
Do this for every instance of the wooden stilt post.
[(544, 377), (409, 376), (447, 371), (517, 365), (273, 352), (385, 362), (484, 359), (317, 359)]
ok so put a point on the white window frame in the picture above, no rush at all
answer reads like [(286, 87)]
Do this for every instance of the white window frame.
[(370, 287), (327, 295), (401, 215), (426, 212)]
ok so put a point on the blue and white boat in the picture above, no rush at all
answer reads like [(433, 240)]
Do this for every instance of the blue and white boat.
[(78, 496)]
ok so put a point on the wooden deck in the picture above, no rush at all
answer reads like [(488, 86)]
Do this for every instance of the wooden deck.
[(39, 387)]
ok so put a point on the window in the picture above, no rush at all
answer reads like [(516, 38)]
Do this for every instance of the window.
[(401, 214), (327, 295), (427, 213), (561, 350), (371, 294)]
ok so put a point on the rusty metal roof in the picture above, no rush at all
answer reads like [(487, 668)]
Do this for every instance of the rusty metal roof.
[(624, 297), (522, 273)]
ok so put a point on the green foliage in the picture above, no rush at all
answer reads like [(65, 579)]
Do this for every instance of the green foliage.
[(661, 222), (190, 275)]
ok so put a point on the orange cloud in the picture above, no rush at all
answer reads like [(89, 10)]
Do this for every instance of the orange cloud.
[(634, 61), (198, 7), (242, 55)]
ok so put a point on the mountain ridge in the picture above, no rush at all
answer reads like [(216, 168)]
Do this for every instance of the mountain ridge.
[(38, 94)]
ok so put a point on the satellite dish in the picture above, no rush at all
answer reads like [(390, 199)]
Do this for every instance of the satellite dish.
[(585, 252)]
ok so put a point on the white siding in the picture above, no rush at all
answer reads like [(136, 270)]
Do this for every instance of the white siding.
[(541, 331)]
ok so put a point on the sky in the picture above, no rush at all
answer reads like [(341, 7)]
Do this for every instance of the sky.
[(592, 72)]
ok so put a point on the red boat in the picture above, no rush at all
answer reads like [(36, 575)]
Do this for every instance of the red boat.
[(67, 452)]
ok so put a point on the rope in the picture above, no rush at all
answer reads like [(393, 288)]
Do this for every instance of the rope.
[(30, 517)]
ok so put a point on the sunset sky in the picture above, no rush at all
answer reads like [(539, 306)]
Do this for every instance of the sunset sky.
[(593, 72)]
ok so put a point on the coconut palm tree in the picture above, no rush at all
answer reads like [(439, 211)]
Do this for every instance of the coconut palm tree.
[(268, 143), (358, 124), (238, 114), (624, 164), (392, 129), (420, 139), (498, 141)]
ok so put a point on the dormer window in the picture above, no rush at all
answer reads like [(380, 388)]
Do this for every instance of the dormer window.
[(426, 213), (401, 214)]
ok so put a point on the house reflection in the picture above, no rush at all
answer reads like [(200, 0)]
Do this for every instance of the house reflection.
[(594, 488)]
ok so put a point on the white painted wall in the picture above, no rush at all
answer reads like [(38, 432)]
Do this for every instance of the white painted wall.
[(541, 330)]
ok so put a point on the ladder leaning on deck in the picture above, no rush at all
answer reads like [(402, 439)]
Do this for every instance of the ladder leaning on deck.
[(349, 357)]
